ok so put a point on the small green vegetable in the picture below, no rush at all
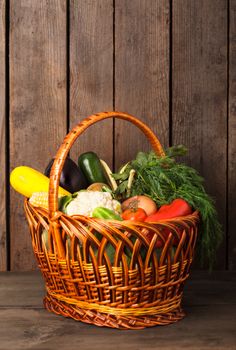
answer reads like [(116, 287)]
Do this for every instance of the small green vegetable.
[(65, 200), (106, 214), (92, 168)]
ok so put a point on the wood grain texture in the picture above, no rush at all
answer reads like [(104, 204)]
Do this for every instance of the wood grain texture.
[(37, 101), (25, 325), (38, 329), (232, 139), (200, 93), (38, 75), (141, 73), (2, 140), (91, 73)]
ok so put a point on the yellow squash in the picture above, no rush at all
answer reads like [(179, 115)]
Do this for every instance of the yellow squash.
[(26, 181)]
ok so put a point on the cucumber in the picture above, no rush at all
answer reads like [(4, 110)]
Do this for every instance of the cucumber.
[(92, 168)]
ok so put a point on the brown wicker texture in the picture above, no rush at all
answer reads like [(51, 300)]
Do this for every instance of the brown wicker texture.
[(119, 274)]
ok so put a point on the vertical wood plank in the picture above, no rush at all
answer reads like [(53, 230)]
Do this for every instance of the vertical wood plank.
[(2, 140), (37, 101), (141, 72), (91, 73), (200, 93), (232, 138)]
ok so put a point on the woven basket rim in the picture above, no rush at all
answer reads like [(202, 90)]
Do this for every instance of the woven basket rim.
[(194, 215)]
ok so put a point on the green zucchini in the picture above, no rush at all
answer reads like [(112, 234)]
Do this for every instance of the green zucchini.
[(92, 168)]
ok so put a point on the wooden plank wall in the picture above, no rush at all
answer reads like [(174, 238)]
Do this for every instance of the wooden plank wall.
[(141, 72), (232, 138), (38, 83), (170, 63), (3, 246), (199, 92), (91, 72)]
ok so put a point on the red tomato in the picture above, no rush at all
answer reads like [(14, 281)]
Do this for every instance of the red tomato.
[(134, 214)]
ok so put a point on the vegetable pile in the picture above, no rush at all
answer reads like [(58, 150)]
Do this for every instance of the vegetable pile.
[(148, 188), (165, 180)]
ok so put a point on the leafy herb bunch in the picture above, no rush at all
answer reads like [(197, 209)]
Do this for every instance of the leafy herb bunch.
[(163, 179)]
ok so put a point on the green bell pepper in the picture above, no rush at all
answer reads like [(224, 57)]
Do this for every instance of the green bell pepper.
[(106, 214)]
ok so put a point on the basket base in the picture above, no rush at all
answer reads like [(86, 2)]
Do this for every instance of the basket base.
[(106, 320)]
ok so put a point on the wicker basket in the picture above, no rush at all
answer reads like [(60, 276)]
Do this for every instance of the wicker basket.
[(141, 286)]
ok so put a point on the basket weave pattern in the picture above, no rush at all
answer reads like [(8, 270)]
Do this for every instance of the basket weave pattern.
[(108, 273)]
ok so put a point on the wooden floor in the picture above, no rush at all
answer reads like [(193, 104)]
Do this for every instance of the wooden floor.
[(210, 303)]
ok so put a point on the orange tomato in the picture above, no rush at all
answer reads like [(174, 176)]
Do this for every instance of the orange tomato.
[(134, 214)]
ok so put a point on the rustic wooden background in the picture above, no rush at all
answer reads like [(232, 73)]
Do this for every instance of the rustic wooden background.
[(169, 62)]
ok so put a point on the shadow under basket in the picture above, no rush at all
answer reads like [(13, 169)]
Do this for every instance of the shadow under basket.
[(118, 274)]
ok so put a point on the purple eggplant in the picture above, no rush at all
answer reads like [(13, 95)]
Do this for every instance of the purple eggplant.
[(72, 178)]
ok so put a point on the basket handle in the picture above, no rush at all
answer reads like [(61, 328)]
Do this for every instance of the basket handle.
[(74, 134)]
